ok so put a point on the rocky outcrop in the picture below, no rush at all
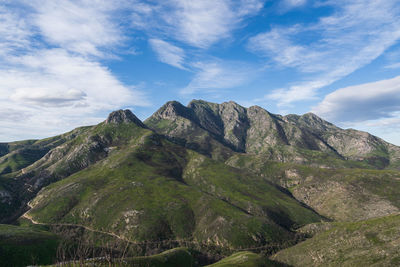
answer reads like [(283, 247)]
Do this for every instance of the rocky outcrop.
[(254, 130), (123, 116)]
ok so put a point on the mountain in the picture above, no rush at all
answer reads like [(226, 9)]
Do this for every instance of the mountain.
[(306, 139), (155, 189), (219, 178), (342, 174)]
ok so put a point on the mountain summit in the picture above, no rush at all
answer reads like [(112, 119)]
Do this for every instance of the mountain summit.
[(123, 116)]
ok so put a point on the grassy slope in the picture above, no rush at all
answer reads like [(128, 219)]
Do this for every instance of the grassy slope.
[(373, 242), (246, 259), (154, 194), (21, 154), (177, 257), (340, 194), (21, 246)]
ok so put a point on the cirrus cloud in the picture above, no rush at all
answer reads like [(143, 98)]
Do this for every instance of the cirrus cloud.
[(339, 44)]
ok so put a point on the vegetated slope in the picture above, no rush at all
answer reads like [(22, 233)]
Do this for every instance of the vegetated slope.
[(22, 246), (148, 188), (15, 190), (339, 194), (373, 242), (17, 155), (303, 139), (177, 257), (81, 148), (246, 259), (85, 147)]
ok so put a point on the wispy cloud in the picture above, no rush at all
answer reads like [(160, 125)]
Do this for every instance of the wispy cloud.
[(212, 76), (295, 3), (286, 5), (196, 23), (15, 33), (393, 66), (354, 35), (85, 27), (168, 53)]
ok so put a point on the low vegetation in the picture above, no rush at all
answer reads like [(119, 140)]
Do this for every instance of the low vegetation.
[(22, 246), (373, 242)]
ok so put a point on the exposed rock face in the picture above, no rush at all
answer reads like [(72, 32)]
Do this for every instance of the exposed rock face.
[(264, 129), (255, 130), (227, 121), (173, 110), (194, 127), (123, 116)]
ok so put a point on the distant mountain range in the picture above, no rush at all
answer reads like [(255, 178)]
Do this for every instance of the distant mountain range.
[(216, 174)]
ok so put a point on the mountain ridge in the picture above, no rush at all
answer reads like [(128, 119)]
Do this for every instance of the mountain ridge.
[(255, 130)]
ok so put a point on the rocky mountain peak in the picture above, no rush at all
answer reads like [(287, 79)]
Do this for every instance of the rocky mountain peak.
[(172, 110), (123, 116)]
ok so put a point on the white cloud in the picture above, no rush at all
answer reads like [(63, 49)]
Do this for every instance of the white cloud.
[(289, 4), (371, 101), (47, 96), (332, 48), (84, 27), (295, 2), (201, 23), (54, 91), (197, 23), (215, 75), (51, 77), (168, 53), (393, 66), (14, 31)]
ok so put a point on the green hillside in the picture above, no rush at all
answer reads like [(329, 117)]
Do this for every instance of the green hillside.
[(246, 259), (373, 242), (340, 194), (22, 246), (177, 257), (158, 190)]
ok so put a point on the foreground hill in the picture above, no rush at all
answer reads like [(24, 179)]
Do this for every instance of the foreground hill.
[(374, 242), (22, 246)]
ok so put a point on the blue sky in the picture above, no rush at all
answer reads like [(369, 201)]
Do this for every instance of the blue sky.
[(65, 64)]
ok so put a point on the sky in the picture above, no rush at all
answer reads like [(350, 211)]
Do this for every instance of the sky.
[(65, 64)]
